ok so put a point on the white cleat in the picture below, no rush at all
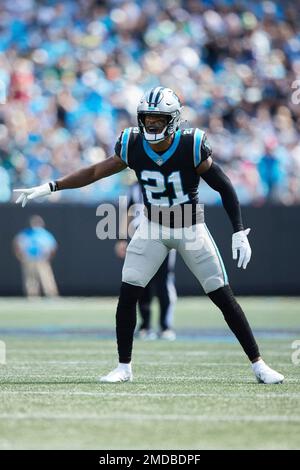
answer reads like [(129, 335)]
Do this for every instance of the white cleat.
[(146, 335), (265, 375), (168, 335), (120, 374)]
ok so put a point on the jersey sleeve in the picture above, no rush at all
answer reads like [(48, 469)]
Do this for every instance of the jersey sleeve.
[(121, 147), (202, 147)]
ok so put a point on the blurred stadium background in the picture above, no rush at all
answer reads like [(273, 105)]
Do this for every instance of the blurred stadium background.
[(71, 73)]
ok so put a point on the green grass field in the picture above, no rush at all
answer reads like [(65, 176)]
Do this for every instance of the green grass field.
[(195, 393)]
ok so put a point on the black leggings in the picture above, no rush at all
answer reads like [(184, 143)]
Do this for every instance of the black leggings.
[(235, 319), (223, 298)]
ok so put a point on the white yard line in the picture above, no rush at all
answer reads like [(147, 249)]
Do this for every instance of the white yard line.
[(150, 394), (152, 417)]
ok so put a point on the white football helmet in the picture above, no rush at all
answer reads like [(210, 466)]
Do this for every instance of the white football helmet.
[(161, 101)]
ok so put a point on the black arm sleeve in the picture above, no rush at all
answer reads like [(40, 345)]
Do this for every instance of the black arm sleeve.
[(206, 150), (217, 180)]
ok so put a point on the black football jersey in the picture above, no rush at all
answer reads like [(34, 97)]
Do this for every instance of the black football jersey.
[(167, 178)]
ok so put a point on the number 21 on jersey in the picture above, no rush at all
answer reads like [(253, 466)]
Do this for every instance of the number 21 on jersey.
[(159, 186)]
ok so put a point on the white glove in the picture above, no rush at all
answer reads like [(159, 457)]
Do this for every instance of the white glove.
[(240, 242), (33, 193)]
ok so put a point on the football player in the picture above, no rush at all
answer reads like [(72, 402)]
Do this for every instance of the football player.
[(168, 163)]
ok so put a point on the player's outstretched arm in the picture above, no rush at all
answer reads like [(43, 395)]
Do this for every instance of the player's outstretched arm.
[(216, 179), (78, 179)]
